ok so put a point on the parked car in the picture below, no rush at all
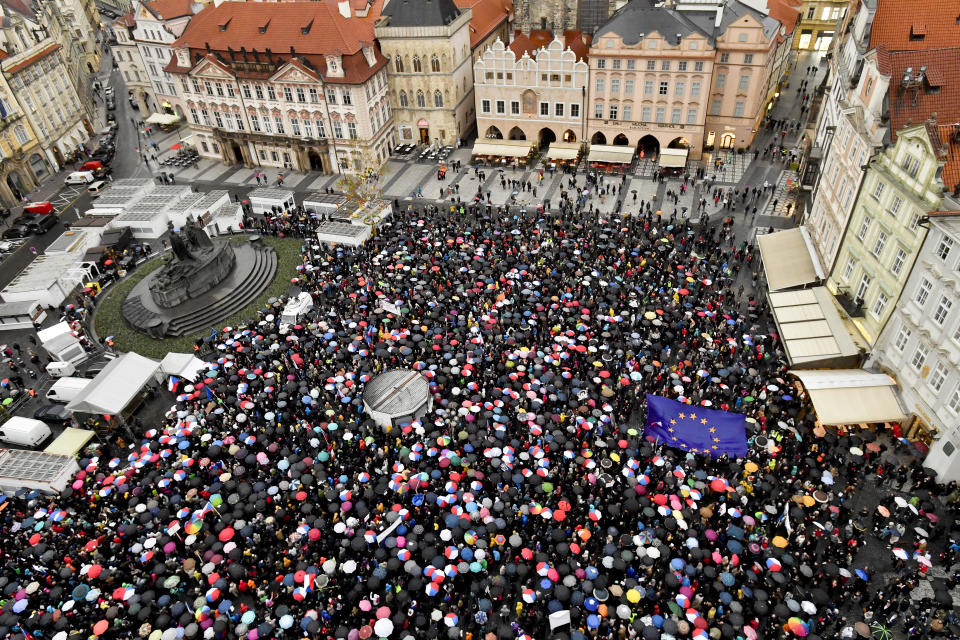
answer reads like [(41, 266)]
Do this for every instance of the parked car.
[(19, 231), (80, 177), (42, 224), (42, 208), (111, 104), (52, 414)]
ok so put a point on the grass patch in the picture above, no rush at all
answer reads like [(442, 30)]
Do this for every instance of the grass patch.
[(109, 321)]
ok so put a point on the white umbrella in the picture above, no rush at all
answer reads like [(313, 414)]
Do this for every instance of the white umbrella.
[(349, 566), (383, 627)]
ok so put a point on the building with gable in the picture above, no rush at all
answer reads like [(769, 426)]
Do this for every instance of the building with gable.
[(296, 85), (126, 54), (533, 88), (158, 23)]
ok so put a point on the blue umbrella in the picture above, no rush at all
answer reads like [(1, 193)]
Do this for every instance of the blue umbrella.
[(677, 564), (593, 621), (591, 604), (734, 546)]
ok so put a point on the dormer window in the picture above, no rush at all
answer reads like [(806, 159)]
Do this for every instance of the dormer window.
[(304, 30), (918, 31), (263, 28)]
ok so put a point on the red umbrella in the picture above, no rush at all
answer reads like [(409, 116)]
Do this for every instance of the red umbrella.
[(226, 534), (176, 147), (94, 571)]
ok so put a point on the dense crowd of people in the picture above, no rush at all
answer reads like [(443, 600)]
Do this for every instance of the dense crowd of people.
[(526, 502)]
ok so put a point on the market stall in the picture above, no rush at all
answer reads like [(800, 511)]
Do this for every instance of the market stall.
[(563, 153), (610, 158), (673, 160), (502, 152), (271, 199)]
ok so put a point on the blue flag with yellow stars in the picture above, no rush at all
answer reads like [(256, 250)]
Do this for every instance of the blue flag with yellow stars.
[(696, 429)]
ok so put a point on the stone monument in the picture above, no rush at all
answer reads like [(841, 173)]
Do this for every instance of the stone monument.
[(197, 265)]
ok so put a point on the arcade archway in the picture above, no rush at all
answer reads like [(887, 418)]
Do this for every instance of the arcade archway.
[(649, 147), (598, 138), (621, 140), (493, 133), (517, 134), (547, 137), (569, 136)]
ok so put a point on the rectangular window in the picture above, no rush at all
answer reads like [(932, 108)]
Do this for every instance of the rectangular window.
[(664, 88), (899, 258), (661, 115), (863, 288), (558, 109), (919, 356), (715, 107), (217, 119), (645, 114), (598, 111), (938, 377), (205, 115), (575, 110), (219, 87), (864, 228), (664, 65), (601, 63), (880, 305), (721, 81), (698, 66), (943, 310), (208, 87), (278, 121), (914, 222), (631, 64), (255, 122), (267, 125), (194, 116), (944, 248), (614, 86), (302, 96), (878, 190), (271, 93), (880, 243), (748, 58), (616, 63), (695, 89), (258, 90), (295, 126), (337, 129), (600, 85), (923, 292), (352, 130), (676, 115), (895, 206), (308, 128), (651, 65), (196, 86), (954, 403), (614, 111), (230, 92), (239, 119), (679, 88), (515, 107), (738, 108), (628, 87), (903, 336), (682, 65), (911, 165), (484, 106), (744, 82), (331, 96), (345, 93), (627, 112), (724, 58), (648, 87), (314, 96), (691, 116), (545, 108)]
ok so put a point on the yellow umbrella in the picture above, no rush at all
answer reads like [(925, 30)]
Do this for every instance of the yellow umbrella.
[(808, 501), (779, 542), (751, 467), (633, 596), (649, 315)]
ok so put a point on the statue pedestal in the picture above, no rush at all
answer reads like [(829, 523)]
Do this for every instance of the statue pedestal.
[(181, 280)]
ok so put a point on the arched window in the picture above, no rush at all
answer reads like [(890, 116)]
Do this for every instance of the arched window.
[(421, 101), (403, 98), (437, 98), (417, 67), (435, 64), (398, 63)]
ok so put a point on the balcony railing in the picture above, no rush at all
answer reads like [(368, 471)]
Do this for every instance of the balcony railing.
[(853, 307)]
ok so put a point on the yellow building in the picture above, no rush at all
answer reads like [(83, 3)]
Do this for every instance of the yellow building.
[(21, 159), (818, 24)]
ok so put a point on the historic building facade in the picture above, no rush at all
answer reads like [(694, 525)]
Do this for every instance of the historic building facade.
[(818, 24), (158, 24), (21, 159), (431, 48), (530, 92), (261, 89), (920, 347), (126, 54)]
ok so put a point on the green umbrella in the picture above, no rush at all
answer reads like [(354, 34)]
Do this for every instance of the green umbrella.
[(880, 632), (7, 401), (675, 608), (547, 487)]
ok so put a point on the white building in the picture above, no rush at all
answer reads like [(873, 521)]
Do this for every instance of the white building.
[(158, 24), (849, 133), (126, 54), (920, 346)]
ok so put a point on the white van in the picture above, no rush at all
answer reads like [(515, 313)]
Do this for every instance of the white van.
[(66, 389), (25, 432), (95, 188), (58, 369), (80, 177)]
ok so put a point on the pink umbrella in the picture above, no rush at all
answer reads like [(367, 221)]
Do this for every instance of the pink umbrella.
[(365, 605), (383, 612)]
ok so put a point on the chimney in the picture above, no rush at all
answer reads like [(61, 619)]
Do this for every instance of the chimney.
[(293, 51), (369, 54), (344, 8)]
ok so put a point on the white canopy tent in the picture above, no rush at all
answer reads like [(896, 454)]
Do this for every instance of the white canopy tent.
[(185, 366), (505, 148), (789, 259), (162, 118), (673, 158), (563, 150), (119, 383), (852, 396), (613, 154)]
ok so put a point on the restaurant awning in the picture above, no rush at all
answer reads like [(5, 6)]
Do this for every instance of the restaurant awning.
[(70, 442), (163, 118), (505, 148), (673, 157), (851, 396), (563, 150), (789, 259), (613, 154), (812, 330)]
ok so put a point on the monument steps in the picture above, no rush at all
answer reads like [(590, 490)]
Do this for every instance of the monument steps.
[(264, 268)]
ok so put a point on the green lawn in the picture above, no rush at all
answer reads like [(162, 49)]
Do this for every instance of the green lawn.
[(109, 321)]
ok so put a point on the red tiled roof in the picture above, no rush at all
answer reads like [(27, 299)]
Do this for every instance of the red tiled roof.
[(951, 169), (915, 105), (126, 21), (916, 24), (330, 33), (169, 9), (488, 15), (373, 13), (787, 12), (577, 41), (944, 213), (23, 64)]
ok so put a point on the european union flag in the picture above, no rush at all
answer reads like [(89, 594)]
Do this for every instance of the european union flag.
[(696, 429)]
